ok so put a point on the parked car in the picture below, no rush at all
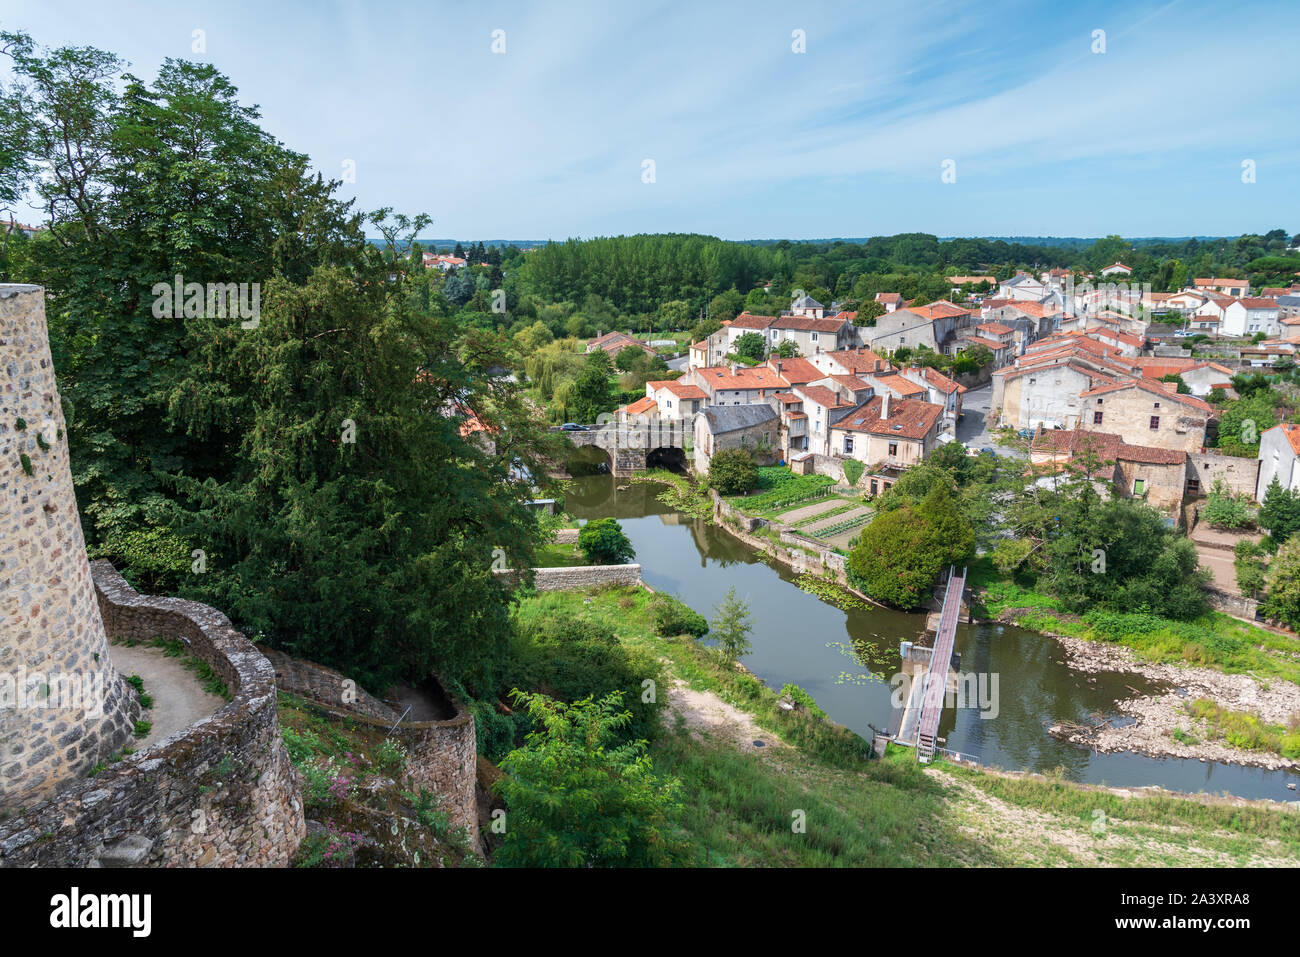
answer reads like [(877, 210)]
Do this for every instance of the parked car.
[(574, 427)]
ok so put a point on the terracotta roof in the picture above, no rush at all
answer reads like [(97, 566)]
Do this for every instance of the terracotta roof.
[(887, 297), (940, 309), (1036, 309), (1153, 387), (787, 398), (807, 324), (898, 384), (679, 389), (797, 370), (1106, 445), (992, 344), (850, 382), (758, 377), (857, 360), (1252, 302), (1292, 433), (908, 418), (822, 396), (747, 320), (942, 382), (640, 406), (994, 328)]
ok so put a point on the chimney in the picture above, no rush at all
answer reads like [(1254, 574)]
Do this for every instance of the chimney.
[(884, 405), (778, 366)]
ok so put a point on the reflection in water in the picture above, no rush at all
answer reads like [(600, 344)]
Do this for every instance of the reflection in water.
[(802, 640)]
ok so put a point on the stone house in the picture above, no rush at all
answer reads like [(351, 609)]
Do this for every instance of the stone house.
[(615, 342), (736, 384), (752, 427), (887, 432), (1144, 413), (1157, 475), (710, 351)]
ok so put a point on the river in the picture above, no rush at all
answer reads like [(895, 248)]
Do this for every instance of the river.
[(833, 653)]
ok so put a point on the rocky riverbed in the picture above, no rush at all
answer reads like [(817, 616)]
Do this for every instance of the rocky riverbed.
[(1157, 717)]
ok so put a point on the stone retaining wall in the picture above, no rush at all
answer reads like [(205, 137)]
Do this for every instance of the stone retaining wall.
[(221, 793), (1236, 605), (581, 576), (442, 756), (306, 679), (567, 536)]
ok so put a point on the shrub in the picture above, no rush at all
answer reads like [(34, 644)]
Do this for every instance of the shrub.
[(853, 471), (733, 471), (603, 542), (672, 617)]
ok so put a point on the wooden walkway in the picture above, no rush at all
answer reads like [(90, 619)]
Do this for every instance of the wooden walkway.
[(936, 677)]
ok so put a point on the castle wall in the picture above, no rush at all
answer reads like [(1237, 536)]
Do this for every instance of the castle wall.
[(221, 793)]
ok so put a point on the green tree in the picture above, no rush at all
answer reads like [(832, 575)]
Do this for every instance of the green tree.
[(630, 358), (868, 312), (751, 345), (603, 541), (1283, 601), (731, 627), (726, 305), (732, 471), (591, 391), (787, 349), (896, 559), (1280, 511), (575, 799)]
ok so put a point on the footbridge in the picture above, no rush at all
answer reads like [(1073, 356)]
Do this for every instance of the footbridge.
[(919, 727)]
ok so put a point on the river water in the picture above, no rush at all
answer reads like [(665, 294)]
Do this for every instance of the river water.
[(844, 658)]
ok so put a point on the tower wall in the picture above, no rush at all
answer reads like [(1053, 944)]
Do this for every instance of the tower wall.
[(63, 708)]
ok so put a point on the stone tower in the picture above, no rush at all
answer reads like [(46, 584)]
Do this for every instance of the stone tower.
[(62, 706)]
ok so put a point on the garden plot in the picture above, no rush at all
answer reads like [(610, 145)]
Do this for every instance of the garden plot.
[(853, 518), (808, 511)]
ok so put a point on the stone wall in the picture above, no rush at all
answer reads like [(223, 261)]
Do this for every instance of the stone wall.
[(567, 536), (306, 679), (442, 756), (581, 576), (1237, 473), (1238, 606), (221, 793), (52, 641)]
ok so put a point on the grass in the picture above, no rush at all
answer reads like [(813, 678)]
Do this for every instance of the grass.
[(556, 555), (817, 803), (1246, 731), (1151, 829)]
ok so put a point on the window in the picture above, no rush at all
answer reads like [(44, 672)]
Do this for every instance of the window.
[(848, 445), (1139, 486), (1096, 418), (893, 448), (1157, 405), (1155, 422), (814, 337)]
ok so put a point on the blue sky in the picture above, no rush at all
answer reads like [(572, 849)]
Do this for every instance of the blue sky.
[(750, 139)]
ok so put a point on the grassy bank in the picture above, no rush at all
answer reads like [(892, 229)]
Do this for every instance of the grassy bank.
[(1214, 640), (812, 800)]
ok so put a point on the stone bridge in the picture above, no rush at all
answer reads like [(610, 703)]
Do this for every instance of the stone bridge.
[(630, 444)]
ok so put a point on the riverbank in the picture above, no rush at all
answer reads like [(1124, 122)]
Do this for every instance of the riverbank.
[(1247, 673), (1166, 725), (767, 787)]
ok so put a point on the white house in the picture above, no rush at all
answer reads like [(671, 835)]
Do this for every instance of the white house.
[(1246, 317), (1279, 453), (1117, 269)]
